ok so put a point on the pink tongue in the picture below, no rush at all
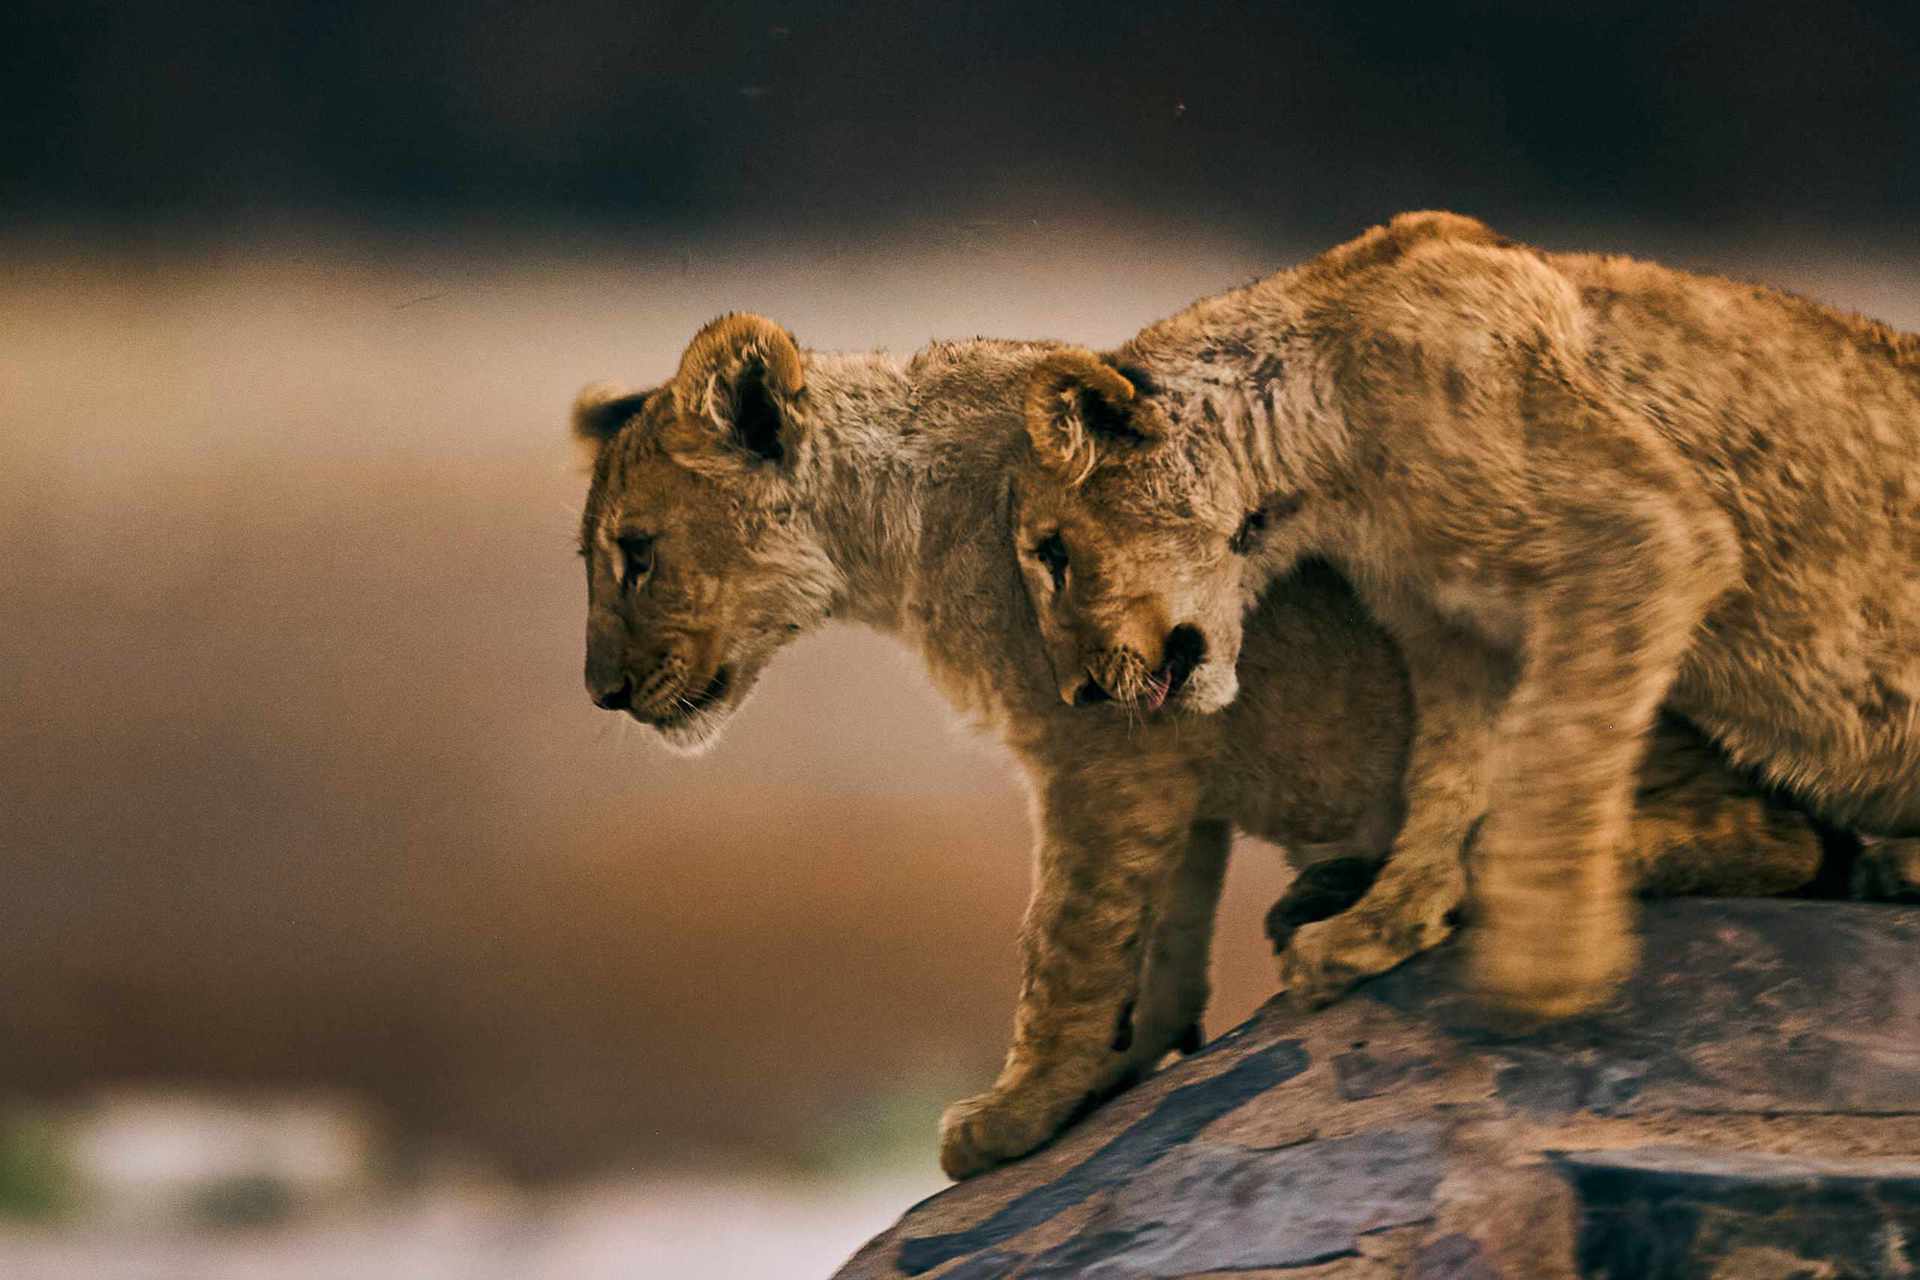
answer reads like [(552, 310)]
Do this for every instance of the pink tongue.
[(1157, 692)]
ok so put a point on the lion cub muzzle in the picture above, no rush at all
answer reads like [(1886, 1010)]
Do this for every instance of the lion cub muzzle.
[(675, 691), (608, 682), (1122, 673), (672, 688)]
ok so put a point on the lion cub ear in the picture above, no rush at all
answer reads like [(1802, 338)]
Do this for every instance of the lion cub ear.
[(601, 410), (1082, 409), (740, 382)]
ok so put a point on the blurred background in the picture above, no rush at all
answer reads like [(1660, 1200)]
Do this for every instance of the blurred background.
[(341, 936)]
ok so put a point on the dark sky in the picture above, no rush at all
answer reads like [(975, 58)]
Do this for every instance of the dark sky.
[(1321, 114)]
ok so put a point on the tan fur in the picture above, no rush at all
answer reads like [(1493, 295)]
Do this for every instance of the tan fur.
[(1056, 382), (891, 506), (1573, 488)]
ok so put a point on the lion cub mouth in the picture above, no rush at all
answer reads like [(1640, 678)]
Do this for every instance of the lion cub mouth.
[(683, 709), (1165, 684), (1186, 647)]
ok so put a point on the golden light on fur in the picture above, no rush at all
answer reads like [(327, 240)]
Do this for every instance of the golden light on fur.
[(600, 411), (730, 341), (908, 526), (1572, 486), (1073, 397)]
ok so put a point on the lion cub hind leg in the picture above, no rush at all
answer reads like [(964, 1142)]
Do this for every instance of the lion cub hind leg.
[(1700, 826)]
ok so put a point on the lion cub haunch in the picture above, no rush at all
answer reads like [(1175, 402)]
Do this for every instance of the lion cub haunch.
[(764, 490), (1573, 487)]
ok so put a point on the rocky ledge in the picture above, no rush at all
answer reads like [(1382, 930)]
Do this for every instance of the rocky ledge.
[(1749, 1109)]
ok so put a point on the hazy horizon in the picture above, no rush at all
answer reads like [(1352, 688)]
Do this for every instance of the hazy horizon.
[(301, 781)]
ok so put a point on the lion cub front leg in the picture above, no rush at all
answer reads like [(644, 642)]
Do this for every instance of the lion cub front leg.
[(1110, 845), (1175, 987), (1457, 684)]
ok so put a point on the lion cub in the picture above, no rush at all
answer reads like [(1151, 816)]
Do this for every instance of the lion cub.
[(764, 490), (1572, 487)]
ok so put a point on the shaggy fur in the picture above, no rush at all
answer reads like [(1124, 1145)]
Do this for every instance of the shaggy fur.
[(879, 492), (1572, 487)]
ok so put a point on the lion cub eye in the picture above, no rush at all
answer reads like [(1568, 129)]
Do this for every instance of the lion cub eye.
[(1052, 552), (1248, 535), (636, 558)]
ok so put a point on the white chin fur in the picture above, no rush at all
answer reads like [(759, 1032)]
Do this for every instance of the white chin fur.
[(1212, 687), (700, 731), (693, 736)]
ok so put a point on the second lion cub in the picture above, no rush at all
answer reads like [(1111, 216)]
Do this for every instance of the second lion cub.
[(1573, 487)]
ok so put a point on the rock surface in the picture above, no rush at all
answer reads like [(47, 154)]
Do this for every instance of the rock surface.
[(1748, 1109)]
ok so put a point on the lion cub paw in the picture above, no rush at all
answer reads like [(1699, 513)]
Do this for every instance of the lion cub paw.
[(1323, 961), (990, 1129), (1541, 975), (1321, 891)]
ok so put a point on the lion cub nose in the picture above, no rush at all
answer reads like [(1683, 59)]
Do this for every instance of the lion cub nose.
[(1185, 649), (619, 699)]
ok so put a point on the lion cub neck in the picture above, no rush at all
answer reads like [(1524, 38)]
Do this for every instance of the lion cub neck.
[(909, 467)]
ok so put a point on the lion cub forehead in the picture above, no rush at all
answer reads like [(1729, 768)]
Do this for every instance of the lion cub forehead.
[(640, 481), (1168, 488)]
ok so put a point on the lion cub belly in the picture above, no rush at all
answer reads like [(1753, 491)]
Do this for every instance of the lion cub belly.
[(1315, 752)]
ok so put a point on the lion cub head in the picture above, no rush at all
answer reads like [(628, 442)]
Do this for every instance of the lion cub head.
[(1131, 539), (700, 561)]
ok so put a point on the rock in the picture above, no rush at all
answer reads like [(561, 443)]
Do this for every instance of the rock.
[(1748, 1109)]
